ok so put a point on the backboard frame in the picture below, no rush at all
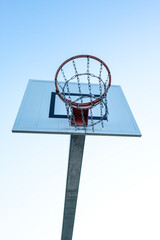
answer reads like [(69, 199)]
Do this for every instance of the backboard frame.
[(35, 114)]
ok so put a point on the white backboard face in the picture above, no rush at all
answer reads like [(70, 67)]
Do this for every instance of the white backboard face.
[(42, 111)]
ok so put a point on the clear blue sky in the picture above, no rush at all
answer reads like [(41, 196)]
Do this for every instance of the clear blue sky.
[(120, 182)]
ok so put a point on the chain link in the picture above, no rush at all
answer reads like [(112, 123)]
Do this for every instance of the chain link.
[(105, 98), (79, 88), (100, 90), (66, 103), (90, 92)]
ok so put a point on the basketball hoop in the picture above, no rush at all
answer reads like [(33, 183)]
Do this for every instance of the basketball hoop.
[(80, 106)]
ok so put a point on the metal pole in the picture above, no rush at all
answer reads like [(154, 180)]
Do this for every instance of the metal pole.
[(72, 184)]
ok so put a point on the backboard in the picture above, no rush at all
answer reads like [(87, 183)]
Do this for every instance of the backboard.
[(42, 111)]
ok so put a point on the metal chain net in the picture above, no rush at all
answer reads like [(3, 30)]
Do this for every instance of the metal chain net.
[(65, 89)]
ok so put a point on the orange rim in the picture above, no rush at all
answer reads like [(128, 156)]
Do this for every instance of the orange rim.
[(88, 104)]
